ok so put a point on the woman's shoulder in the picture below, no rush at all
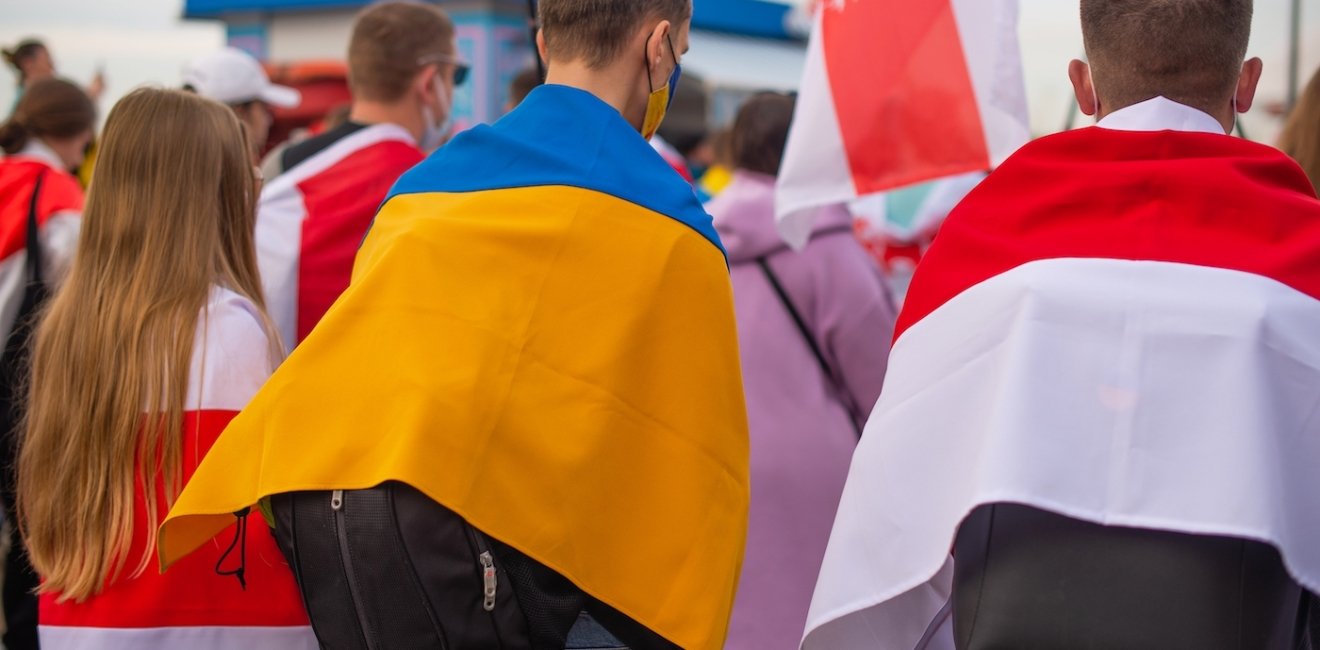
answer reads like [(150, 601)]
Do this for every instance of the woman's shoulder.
[(232, 354)]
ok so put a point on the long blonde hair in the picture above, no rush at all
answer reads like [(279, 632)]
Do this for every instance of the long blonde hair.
[(1301, 134), (169, 215)]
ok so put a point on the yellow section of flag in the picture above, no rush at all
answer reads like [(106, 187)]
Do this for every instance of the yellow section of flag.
[(556, 365)]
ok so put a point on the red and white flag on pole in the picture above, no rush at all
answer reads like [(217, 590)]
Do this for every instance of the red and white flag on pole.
[(900, 91)]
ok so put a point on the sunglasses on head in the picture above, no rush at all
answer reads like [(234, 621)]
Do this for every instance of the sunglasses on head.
[(461, 68)]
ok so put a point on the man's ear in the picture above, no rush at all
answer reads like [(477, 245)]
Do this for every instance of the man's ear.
[(1083, 87), (540, 44), (423, 84), (657, 45), (1245, 93)]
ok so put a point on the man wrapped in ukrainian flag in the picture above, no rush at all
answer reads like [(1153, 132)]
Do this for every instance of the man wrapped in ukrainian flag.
[(527, 407)]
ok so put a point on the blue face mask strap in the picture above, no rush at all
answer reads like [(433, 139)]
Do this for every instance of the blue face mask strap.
[(673, 78)]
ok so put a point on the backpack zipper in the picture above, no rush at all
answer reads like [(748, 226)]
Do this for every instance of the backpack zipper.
[(486, 563), (488, 581), (337, 505)]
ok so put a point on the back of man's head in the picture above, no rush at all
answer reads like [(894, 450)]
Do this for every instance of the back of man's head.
[(391, 42), (1190, 51), (597, 31)]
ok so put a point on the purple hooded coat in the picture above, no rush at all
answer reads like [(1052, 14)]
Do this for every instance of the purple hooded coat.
[(802, 430)]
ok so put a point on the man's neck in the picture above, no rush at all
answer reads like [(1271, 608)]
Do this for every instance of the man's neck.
[(402, 114), (611, 85)]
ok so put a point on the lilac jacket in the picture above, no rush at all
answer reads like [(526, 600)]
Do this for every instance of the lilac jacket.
[(802, 439)]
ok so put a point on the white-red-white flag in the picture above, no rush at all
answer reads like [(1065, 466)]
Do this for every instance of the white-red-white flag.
[(900, 91)]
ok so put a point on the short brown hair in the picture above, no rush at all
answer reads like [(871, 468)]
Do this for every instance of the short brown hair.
[(1301, 135), (50, 108), (523, 85), (1190, 51), (389, 41), (760, 132), (596, 31)]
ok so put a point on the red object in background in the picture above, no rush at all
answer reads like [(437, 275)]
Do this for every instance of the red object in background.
[(324, 87)]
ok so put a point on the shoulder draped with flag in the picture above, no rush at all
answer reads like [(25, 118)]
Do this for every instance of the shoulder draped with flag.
[(312, 218), (1119, 327), (539, 335), (191, 606), (59, 218)]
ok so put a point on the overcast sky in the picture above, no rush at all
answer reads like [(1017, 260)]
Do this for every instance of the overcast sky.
[(144, 41)]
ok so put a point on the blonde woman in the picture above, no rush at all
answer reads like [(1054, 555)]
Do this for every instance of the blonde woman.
[(156, 339), (1301, 135)]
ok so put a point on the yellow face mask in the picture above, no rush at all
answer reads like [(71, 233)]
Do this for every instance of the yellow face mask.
[(657, 105)]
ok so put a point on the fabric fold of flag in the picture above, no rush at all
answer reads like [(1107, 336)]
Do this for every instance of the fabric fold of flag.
[(1071, 344), (539, 335), (894, 93)]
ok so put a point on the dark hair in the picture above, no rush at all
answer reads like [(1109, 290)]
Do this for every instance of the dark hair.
[(49, 108), (26, 49), (1190, 51), (596, 31), (523, 84), (389, 42), (760, 132)]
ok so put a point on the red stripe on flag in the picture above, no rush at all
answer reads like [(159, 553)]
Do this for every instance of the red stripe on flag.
[(341, 202), (1186, 198), (902, 92), (191, 593)]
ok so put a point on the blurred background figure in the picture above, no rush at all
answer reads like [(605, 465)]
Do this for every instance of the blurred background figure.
[(322, 193), (713, 158), (234, 78), (40, 206), (521, 86), (685, 125), (1301, 133), (814, 329), (32, 62)]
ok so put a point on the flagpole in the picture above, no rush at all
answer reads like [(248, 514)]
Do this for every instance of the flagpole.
[(1294, 54)]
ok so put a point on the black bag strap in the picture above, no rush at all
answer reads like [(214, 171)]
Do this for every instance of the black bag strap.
[(807, 336), (14, 359), (34, 234)]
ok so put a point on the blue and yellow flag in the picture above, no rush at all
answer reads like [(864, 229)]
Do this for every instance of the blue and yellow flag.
[(539, 334)]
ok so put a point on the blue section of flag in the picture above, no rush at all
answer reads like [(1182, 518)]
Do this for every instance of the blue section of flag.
[(561, 136)]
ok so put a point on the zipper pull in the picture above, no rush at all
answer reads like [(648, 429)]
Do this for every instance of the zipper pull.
[(488, 580), (337, 500)]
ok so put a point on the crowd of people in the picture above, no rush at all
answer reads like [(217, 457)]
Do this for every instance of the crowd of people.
[(552, 383)]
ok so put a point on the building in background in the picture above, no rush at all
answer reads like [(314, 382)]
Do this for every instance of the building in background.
[(738, 46)]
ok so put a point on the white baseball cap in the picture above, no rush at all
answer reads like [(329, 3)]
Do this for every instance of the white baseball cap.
[(232, 76)]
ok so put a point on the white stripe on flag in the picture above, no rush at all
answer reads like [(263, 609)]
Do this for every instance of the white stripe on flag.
[(177, 638), (815, 170), (1146, 394), (989, 30)]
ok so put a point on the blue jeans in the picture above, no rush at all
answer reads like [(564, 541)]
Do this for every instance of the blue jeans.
[(587, 634)]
